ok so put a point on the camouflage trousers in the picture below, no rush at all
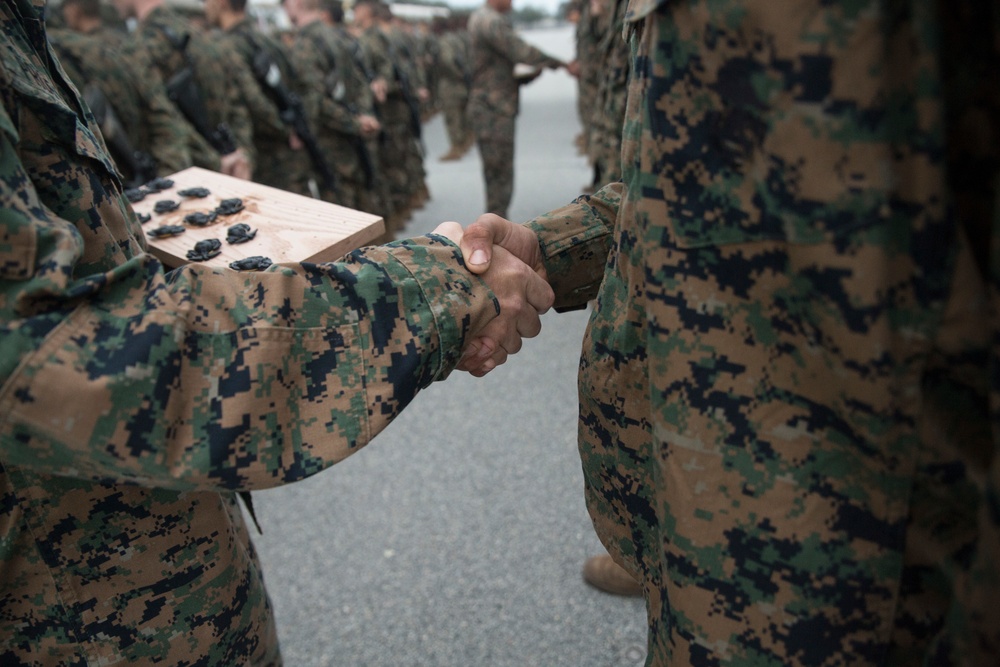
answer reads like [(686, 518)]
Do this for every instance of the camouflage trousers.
[(281, 167), (401, 163), (495, 139), (453, 105), (350, 190)]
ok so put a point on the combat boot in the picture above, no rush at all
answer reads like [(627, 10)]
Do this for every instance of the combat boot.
[(606, 575)]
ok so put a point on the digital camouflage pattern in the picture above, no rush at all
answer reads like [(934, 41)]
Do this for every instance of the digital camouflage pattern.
[(285, 168), (403, 121), (605, 142), (340, 94), (785, 384), (140, 103), (589, 61), (493, 98), (454, 78), (223, 83), (396, 138), (135, 404)]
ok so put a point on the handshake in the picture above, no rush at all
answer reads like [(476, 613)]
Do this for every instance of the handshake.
[(509, 260)]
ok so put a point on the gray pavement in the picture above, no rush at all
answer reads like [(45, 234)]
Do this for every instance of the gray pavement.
[(456, 538)]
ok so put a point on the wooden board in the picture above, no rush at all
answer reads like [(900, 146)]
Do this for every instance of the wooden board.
[(290, 227)]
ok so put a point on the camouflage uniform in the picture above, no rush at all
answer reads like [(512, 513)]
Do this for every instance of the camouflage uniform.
[(608, 106), (322, 54), (222, 81), (138, 99), (454, 80), (134, 404), (397, 136), (493, 99), (785, 385), (403, 110), (284, 167), (589, 61)]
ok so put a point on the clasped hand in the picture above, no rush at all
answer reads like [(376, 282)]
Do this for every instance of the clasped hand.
[(508, 258)]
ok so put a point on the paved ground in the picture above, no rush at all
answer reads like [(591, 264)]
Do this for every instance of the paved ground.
[(456, 538)]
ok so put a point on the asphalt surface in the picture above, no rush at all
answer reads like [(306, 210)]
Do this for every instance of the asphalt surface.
[(456, 538)]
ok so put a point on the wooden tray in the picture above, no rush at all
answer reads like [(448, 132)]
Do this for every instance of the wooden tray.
[(290, 227)]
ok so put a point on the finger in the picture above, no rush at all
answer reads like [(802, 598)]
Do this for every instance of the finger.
[(477, 242), (504, 330), (539, 293), (482, 370), (529, 324), (478, 351), (452, 230), (486, 365)]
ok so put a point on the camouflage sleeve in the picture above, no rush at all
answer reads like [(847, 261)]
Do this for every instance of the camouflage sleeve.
[(210, 378), (377, 50), (169, 134), (263, 113), (502, 38), (311, 66), (575, 242), (236, 99)]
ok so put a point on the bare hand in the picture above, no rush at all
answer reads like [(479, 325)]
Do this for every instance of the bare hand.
[(521, 290), (368, 125), (379, 89), (236, 164), (491, 230), (489, 240)]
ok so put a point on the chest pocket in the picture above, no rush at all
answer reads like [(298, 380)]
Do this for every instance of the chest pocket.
[(45, 118), (744, 135)]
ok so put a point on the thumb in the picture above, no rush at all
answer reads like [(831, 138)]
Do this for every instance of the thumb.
[(478, 239)]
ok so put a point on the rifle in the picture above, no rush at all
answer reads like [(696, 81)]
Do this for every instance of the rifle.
[(290, 109), (184, 92), (139, 163)]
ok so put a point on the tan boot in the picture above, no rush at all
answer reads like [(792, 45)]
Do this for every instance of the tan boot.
[(606, 575)]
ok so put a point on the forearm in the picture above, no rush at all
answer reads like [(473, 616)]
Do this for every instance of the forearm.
[(575, 241), (219, 379)]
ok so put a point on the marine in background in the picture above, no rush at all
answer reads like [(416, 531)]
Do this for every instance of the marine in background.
[(284, 132), (342, 101), (494, 98), (144, 133), (454, 80), (207, 86)]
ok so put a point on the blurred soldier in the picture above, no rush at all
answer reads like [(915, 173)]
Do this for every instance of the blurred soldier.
[(400, 106), (606, 123), (342, 101), (284, 135), (407, 58), (454, 81), (590, 28), (397, 121), (144, 132), (493, 100), (206, 85), (428, 52)]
